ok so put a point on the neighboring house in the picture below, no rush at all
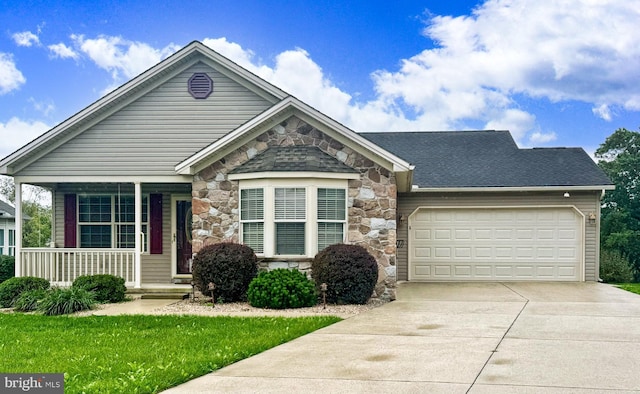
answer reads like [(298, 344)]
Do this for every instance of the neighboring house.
[(7, 228), (198, 150)]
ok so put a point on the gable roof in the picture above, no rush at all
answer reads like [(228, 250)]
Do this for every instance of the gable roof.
[(7, 210), (489, 159), (283, 110), (293, 159), (130, 91)]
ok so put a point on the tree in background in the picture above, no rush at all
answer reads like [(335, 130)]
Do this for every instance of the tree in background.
[(37, 229), (619, 157)]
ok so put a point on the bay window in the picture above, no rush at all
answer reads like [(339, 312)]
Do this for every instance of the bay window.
[(292, 217)]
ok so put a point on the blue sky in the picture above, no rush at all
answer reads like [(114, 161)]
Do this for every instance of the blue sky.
[(554, 75)]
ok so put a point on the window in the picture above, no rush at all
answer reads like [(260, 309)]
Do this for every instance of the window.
[(12, 243), (291, 218), (108, 221), (252, 218), (332, 217), (1, 241)]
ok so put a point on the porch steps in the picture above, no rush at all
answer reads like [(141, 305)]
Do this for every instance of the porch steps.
[(161, 293), (165, 296)]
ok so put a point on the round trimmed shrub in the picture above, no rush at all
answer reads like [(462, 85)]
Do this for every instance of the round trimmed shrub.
[(107, 288), (229, 266), (349, 271), (280, 289), (614, 267), (11, 288), (64, 301), (7, 267)]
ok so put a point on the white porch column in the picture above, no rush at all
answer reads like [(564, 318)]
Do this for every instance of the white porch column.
[(18, 237), (138, 231)]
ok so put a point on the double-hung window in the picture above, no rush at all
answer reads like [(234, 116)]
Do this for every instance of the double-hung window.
[(292, 217), (290, 220), (12, 242), (108, 221), (252, 218)]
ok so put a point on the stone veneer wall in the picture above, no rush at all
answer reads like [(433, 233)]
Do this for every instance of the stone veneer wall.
[(372, 200)]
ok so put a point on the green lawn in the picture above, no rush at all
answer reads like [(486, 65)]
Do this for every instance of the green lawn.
[(138, 354), (632, 287)]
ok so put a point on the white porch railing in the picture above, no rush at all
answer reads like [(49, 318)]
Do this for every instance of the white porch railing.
[(62, 266)]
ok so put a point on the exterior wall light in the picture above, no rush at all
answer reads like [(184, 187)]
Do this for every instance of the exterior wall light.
[(566, 195)]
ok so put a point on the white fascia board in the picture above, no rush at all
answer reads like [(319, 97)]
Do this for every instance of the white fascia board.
[(352, 137), (287, 107), (509, 189), (293, 174), (129, 87), (187, 167), (104, 179), (90, 110)]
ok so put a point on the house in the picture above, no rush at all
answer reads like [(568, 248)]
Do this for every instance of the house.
[(7, 228), (197, 150)]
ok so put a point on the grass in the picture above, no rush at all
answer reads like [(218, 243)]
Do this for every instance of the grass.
[(138, 354), (632, 287)]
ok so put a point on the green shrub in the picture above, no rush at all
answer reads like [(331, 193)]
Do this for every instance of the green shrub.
[(107, 288), (7, 267), (280, 289), (349, 271), (229, 266), (11, 288), (64, 301), (29, 300), (614, 267)]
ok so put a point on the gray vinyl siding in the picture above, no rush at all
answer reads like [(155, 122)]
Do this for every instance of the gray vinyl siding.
[(156, 268), (585, 202), (157, 131)]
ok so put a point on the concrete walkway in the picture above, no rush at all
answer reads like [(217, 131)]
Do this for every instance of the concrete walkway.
[(459, 338)]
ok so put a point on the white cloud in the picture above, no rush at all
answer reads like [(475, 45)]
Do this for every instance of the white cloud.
[(542, 138), (603, 111), (41, 106), (25, 39), (62, 51), (124, 59), (10, 77), (17, 132)]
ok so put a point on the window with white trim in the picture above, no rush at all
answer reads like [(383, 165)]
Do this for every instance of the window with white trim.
[(1, 241), (108, 221), (252, 218), (12, 242), (292, 217)]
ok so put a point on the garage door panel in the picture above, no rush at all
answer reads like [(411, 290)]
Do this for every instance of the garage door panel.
[(492, 243)]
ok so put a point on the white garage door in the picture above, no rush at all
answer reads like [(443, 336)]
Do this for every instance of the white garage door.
[(495, 244)]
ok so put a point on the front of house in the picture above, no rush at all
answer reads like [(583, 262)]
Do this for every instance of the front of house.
[(197, 150), (7, 228)]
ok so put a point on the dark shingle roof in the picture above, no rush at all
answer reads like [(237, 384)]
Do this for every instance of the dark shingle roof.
[(487, 159), (293, 158)]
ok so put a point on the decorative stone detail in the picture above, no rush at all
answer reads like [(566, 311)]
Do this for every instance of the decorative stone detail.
[(372, 199)]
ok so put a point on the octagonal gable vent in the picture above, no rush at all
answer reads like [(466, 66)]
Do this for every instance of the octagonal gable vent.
[(200, 86)]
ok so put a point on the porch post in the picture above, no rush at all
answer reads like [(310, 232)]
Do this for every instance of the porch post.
[(18, 237), (138, 231)]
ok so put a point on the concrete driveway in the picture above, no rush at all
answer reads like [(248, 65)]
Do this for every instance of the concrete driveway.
[(459, 338)]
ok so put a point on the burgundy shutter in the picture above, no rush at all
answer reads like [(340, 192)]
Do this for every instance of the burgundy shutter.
[(155, 223), (70, 221)]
